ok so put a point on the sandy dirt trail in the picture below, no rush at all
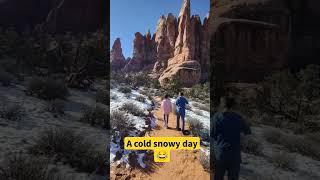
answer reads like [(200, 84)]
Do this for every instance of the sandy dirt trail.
[(184, 164)]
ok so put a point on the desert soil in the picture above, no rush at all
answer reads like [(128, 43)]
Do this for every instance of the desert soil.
[(184, 165)]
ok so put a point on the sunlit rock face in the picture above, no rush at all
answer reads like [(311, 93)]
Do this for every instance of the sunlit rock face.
[(143, 53), (117, 60), (187, 61)]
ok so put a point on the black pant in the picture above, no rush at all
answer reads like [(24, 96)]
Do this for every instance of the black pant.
[(221, 167)]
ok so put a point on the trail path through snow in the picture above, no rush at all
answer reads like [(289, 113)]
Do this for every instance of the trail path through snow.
[(184, 165)]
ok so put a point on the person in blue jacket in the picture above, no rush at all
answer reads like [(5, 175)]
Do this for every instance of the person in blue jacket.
[(227, 127), (181, 103)]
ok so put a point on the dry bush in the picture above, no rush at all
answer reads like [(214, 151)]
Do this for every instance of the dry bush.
[(283, 160), (56, 107), (12, 111), (103, 97), (204, 161), (251, 146), (96, 115), (120, 122), (293, 143), (124, 89), (301, 145), (18, 166), (141, 99), (23, 167), (204, 107), (114, 97), (132, 108), (195, 126), (5, 77), (47, 88), (71, 148), (198, 112), (272, 135)]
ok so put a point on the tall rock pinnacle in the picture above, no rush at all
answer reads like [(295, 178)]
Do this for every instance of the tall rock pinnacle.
[(117, 59)]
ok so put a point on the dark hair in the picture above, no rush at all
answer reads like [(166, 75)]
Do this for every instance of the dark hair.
[(229, 102), (181, 93), (166, 96)]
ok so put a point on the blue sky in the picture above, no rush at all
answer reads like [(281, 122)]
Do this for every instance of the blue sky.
[(130, 16)]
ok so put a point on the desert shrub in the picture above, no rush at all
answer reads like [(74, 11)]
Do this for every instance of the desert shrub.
[(204, 161), (102, 96), (204, 107), (124, 89), (173, 87), (199, 91), (132, 108), (141, 99), (291, 95), (272, 120), (5, 78), (301, 145), (96, 115), (198, 112), (114, 97), (56, 106), (128, 95), (283, 160), (272, 135), (11, 111), (120, 122), (47, 89), (205, 135), (141, 79), (251, 146), (132, 159), (20, 166), (293, 143), (67, 146), (195, 126), (314, 136)]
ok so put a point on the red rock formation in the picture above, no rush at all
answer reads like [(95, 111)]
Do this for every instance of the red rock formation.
[(143, 53), (253, 45), (165, 41), (117, 60), (184, 65)]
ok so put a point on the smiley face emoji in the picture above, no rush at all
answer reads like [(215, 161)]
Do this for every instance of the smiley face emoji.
[(161, 156)]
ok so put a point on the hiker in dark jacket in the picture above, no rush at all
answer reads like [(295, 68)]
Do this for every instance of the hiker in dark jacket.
[(181, 103), (227, 127)]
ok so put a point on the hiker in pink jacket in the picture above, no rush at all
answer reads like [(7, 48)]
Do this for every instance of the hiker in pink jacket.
[(166, 109)]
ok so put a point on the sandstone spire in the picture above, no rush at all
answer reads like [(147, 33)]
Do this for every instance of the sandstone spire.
[(117, 59), (183, 28)]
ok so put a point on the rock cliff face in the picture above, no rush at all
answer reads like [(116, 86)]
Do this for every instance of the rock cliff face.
[(259, 37), (165, 38), (143, 53), (53, 15), (185, 64), (117, 60), (179, 48)]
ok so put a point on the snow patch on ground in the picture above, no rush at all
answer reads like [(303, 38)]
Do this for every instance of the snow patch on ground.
[(117, 100)]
